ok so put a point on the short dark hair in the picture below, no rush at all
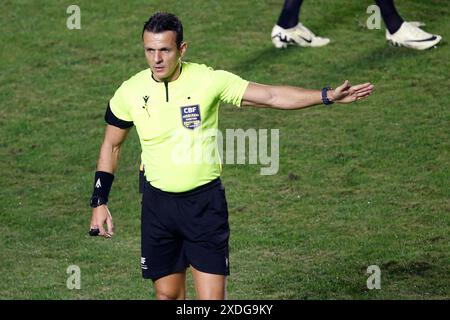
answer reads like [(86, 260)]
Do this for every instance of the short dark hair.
[(163, 21)]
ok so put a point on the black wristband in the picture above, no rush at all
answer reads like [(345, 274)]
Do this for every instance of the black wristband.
[(102, 185), (325, 97)]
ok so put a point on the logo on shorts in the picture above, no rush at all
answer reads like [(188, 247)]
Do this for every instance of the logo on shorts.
[(143, 264), (190, 116)]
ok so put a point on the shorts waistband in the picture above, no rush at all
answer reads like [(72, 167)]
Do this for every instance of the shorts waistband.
[(199, 189)]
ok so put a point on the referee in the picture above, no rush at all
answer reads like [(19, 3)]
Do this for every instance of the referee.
[(184, 216)]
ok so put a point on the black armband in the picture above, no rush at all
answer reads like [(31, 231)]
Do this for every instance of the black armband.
[(102, 186), (111, 119)]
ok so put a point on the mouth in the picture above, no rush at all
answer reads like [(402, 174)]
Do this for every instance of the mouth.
[(158, 69)]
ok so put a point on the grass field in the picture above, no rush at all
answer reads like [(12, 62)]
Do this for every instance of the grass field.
[(358, 185)]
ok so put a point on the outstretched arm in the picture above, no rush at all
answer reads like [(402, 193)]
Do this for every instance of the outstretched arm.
[(288, 98)]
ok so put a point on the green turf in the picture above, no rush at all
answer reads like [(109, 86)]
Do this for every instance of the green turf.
[(358, 185)]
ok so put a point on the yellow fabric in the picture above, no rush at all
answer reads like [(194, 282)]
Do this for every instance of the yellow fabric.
[(177, 122)]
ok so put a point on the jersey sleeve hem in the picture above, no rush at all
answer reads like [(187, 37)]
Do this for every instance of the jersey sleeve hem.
[(241, 93)]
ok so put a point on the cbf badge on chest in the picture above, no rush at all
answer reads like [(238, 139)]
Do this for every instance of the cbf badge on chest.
[(190, 116)]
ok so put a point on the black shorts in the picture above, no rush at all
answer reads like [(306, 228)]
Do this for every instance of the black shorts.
[(182, 229)]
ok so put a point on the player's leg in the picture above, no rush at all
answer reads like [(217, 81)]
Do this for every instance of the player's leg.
[(204, 225), (209, 286), (171, 287), (391, 17), (162, 255), (289, 31), (290, 14), (402, 33)]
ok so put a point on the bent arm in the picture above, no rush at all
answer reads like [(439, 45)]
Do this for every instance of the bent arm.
[(289, 98), (110, 149)]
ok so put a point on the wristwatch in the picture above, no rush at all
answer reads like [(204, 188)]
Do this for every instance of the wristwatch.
[(325, 97), (97, 201)]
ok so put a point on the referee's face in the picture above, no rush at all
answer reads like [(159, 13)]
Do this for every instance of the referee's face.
[(162, 54)]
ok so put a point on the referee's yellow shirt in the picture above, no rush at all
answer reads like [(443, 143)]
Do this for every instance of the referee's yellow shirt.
[(177, 122)]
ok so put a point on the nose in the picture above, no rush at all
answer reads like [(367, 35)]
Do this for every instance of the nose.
[(157, 57)]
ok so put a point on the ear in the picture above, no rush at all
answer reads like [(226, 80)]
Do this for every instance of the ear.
[(183, 48)]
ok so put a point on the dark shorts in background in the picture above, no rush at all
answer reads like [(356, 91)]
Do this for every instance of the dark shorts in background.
[(182, 229)]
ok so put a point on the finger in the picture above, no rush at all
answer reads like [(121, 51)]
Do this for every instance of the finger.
[(368, 88), (360, 86), (363, 96), (343, 86), (106, 235), (109, 222), (362, 92), (110, 225), (101, 229)]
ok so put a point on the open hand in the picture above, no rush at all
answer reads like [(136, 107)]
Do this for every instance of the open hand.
[(346, 93)]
